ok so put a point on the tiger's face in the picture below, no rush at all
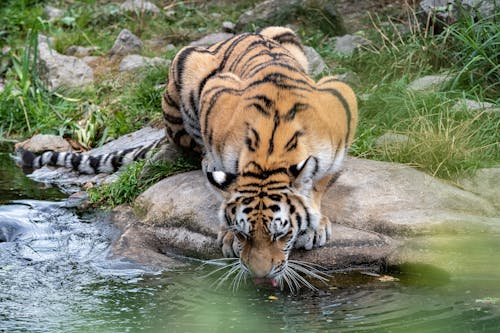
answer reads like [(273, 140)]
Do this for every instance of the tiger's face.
[(262, 216)]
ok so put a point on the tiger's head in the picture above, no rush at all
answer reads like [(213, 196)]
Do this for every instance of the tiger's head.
[(263, 213)]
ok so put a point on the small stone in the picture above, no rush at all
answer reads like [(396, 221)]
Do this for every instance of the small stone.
[(133, 62), (170, 13), (211, 39), (472, 105), (347, 44), (428, 82), (126, 43), (228, 27), (139, 6), (52, 13), (80, 51), (316, 63), (169, 48), (391, 141)]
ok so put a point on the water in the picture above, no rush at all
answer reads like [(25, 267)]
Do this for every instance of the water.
[(56, 275)]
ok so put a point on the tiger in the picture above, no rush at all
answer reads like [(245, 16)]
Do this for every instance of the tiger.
[(272, 141)]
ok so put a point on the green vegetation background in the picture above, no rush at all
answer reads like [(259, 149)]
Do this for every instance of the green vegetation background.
[(444, 142)]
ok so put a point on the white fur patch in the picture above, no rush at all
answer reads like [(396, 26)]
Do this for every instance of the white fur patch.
[(219, 176)]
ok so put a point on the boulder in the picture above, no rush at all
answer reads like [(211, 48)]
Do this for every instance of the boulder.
[(59, 70), (228, 27), (211, 39), (316, 63), (134, 62), (347, 44), (448, 12), (139, 6), (43, 142), (52, 13), (126, 43), (429, 82), (485, 183), (373, 206), (474, 106)]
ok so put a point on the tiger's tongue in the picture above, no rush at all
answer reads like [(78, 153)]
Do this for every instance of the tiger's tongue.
[(266, 280)]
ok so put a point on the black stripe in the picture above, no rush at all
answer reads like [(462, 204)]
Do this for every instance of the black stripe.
[(347, 109), (213, 100), (271, 63), (95, 163), (259, 108), (264, 175), (296, 108), (172, 119), (169, 100), (276, 124), (204, 82), (116, 162), (227, 54), (288, 37), (76, 159), (53, 158), (292, 143)]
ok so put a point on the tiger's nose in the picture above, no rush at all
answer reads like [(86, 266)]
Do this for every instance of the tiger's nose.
[(259, 267)]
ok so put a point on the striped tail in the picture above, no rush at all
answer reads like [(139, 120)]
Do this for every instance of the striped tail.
[(84, 163)]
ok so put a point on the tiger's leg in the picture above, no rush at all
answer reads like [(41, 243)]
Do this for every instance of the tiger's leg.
[(229, 243), (317, 237)]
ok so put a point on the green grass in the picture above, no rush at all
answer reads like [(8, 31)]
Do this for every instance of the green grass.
[(131, 183)]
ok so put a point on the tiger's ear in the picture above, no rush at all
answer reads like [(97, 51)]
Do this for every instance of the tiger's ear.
[(304, 173), (221, 180)]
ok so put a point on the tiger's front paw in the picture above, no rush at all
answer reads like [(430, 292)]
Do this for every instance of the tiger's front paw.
[(314, 238), (229, 243)]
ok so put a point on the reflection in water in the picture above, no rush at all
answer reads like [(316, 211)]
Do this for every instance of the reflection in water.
[(55, 276)]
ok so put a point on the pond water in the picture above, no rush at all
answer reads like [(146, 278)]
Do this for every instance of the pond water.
[(56, 276)]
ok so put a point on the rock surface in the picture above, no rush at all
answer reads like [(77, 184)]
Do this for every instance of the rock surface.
[(80, 51), (428, 82), (449, 11), (43, 142), (347, 44), (126, 43), (485, 183), (139, 6), (59, 70), (134, 62), (211, 39), (316, 63), (373, 206), (472, 105)]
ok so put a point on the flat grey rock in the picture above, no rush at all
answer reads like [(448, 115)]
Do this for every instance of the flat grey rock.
[(211, 39), (428, 82), (347, 44), (140, 6), (316, 63), (133, 62)]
